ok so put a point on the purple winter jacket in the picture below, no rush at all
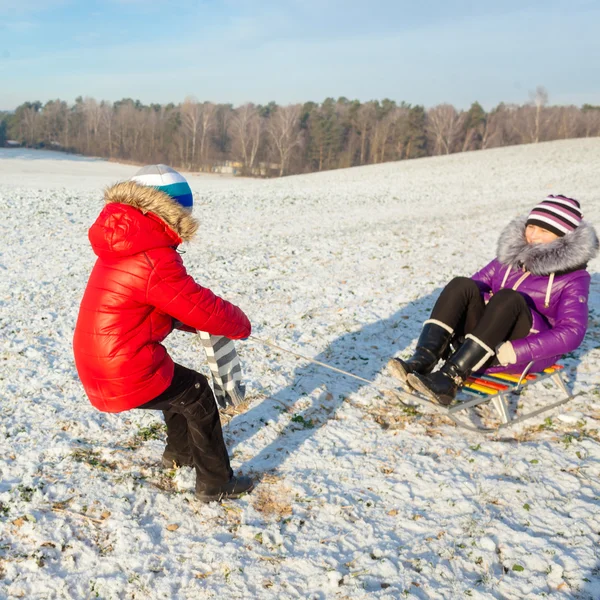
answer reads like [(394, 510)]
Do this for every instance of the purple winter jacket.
[(555, 283)]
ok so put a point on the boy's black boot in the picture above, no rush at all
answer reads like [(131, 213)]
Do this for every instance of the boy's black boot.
[(431, 346), (234, 488), (441, 387)]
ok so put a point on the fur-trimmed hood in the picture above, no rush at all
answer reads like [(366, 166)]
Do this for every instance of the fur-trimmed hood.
[(149, 199), (568, 253)]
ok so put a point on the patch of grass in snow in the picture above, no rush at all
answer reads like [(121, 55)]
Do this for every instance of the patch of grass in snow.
[(306, 423), (156, 431), (25, 492), (411, 411), (93, 458)]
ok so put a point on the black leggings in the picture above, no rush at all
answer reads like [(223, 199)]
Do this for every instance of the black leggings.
[(505, 317), (194, 426)]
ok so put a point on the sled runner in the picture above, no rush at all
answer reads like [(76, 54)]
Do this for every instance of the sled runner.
[(496, 389)]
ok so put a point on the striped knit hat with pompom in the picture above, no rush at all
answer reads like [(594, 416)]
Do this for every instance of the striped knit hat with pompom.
[(166, 180), (558, 214)]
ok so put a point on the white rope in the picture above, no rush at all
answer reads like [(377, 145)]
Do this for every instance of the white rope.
[(322, 364)]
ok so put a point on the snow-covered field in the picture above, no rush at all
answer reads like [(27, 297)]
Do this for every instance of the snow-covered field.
[(357, 497)]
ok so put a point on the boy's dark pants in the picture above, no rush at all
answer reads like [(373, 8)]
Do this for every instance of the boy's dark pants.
[(194, 426)]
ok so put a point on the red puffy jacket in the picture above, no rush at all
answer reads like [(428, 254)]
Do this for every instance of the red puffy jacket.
[(137, 287)]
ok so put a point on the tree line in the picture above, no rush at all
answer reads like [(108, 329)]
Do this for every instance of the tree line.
[(273, 140)]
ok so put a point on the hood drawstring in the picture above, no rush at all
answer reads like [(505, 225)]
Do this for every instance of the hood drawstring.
[(521, 280), (518, 282), (505, 277), (549, 290), (523, 277)]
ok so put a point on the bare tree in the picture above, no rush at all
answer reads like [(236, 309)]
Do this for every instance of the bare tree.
[(30, 120), (380, 136), (527, 121), (284, 131), (443, 124), (53, 121), (106, 122), (207, 119), (519, 125), (155, 116), (363, 122), (92, 116), (569, 122), (125, 128), (140, 125), (539, 99), (191, 114), (246, 127), (591, 121)]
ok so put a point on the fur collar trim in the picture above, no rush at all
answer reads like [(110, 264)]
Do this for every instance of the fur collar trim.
[(149, 199), (568, 253)]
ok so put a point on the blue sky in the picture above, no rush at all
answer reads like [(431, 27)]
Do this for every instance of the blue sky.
[(236, 51)]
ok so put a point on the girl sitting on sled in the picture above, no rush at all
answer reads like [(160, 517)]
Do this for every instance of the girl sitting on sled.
[(529, 305)]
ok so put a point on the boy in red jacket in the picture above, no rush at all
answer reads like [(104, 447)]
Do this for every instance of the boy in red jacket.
[(138, 290)]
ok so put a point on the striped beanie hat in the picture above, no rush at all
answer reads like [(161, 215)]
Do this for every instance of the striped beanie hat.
[(166, 180), (558, 214)]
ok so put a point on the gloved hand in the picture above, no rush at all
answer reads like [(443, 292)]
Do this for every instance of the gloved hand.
[(505, 353)]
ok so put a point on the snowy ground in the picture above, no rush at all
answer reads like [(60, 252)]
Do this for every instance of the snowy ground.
[(357, 497)]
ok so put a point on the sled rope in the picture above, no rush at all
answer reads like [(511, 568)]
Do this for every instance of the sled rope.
[(325, 365), (481, 388)]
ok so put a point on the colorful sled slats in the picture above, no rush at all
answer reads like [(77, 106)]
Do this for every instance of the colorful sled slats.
[(497, 384), (488, 391), (513, 378), (468, 390), (489, 383), (509, 384)]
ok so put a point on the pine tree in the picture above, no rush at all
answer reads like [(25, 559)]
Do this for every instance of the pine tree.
[(474, 127), (416, 134), (3, 134), (325, 135)]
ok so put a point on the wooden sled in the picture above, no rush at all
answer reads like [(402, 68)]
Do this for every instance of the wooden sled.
[(497, 389)]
